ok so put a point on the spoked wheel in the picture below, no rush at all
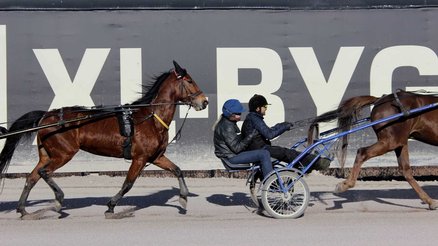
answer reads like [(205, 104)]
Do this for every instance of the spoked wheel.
[(288, 202)]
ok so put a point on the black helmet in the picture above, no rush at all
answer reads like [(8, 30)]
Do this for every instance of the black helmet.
[(257, 101)]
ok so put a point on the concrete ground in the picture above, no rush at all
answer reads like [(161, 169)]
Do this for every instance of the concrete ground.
[(219, 212)]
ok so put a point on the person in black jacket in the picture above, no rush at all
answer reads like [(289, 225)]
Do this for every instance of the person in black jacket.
[(255, 121), (230, 145)]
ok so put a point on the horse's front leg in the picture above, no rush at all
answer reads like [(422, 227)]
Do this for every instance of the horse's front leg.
[(166, 164), (135, 169), (363, 154), (403, 162)]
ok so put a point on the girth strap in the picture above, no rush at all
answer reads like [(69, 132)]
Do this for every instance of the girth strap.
[(126, 127), (400, 105)]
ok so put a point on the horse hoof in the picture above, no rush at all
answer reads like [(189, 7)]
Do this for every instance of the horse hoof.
[(57, 207), (109, 215), (433, 205), (24, 214), (340, 188), (183, 201)]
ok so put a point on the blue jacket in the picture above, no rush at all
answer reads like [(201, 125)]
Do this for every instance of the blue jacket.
[(256, 121)]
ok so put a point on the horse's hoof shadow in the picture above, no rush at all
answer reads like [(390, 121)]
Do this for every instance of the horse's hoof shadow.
[(126, 213), (45, 213)]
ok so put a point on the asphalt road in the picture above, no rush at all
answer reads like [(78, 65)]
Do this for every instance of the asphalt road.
[(219, 212)]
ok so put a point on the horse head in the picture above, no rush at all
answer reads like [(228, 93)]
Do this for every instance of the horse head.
[(189, 92)]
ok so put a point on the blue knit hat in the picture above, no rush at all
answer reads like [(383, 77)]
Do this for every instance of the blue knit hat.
[(232, 106)]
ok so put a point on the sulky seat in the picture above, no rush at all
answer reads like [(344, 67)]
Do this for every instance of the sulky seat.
[(235, 167)]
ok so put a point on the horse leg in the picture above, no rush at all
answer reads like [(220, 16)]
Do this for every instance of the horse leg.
[(134, 170), (31, 180), (166, 164), (59, 194), (363, 154), (403, 163), (55, 161)]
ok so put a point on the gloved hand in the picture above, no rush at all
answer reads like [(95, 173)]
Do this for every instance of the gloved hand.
[(289, 125)]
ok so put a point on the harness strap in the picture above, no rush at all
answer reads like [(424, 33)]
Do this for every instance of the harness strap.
[(161, 121), (400, 105)]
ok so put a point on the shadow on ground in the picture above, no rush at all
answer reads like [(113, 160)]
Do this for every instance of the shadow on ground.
[(379, 196), (160, 198)]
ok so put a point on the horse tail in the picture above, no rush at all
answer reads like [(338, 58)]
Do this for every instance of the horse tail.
[(26, 121), (326, 117), (346, 114)]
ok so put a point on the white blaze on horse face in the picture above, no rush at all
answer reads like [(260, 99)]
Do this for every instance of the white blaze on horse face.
[(68, 92), (230, 60), (389, 59), (3, 80)]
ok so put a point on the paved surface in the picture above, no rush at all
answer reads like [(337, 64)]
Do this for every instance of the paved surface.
[(219, 213)]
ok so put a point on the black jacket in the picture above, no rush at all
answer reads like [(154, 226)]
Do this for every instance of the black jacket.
[(255, 121), (227, 140)]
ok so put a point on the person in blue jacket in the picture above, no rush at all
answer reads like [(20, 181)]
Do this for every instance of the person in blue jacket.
[(229, 144), (255, 121)]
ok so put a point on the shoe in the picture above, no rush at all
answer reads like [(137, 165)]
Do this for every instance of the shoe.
[(322, 164)]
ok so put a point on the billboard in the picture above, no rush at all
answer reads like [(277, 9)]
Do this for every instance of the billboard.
[(303, 61)]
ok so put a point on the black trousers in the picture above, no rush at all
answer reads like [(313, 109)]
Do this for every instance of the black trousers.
[(288, 155)]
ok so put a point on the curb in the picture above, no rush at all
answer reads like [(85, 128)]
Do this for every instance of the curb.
[(423, 173)]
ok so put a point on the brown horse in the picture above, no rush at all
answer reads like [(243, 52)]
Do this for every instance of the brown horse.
[(100, 134), (391, 135)]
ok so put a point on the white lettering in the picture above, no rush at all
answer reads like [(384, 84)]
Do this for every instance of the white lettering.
[(340, 76), (389, 59), (130, 74), (68, 93), (229, 60)]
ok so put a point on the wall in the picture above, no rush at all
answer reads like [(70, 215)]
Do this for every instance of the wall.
[(304, 59)]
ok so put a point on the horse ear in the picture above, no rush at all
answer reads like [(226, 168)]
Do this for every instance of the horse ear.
[(178, 69)]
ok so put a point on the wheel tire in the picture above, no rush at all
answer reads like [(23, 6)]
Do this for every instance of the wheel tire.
[(282, 205)]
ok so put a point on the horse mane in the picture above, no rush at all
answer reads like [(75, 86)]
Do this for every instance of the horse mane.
[(151, 89)]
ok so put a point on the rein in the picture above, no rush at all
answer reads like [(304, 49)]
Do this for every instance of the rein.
[(178, 133)]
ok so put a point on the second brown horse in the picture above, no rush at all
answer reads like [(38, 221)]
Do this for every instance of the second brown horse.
[(391, 135), (151, 116)]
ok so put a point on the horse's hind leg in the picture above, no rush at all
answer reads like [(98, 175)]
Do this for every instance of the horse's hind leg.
[(166, 164), (59, 195), (363, 154), (45, 167), (403, 162), (31, 180)]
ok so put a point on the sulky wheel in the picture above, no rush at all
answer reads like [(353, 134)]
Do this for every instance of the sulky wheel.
[(288, 202)]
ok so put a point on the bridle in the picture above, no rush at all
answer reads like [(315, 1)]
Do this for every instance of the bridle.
[(182, 79)]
